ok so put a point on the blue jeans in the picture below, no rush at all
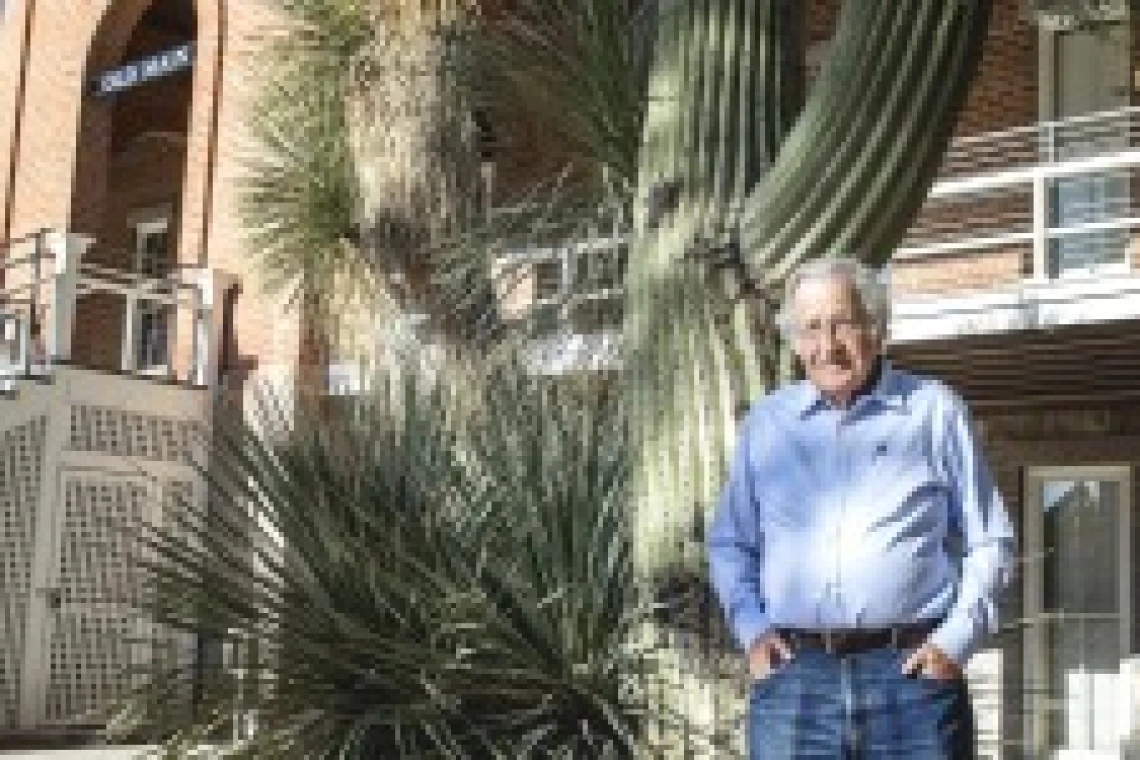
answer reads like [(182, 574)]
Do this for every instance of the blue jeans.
[(857, 707)]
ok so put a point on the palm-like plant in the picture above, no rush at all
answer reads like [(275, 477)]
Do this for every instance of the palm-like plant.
[(325, 202), (301, 192), (576, 71), (426, 575)]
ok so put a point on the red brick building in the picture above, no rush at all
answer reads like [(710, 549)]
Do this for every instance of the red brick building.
[(122, 133), (148, 172), (1019, 284)]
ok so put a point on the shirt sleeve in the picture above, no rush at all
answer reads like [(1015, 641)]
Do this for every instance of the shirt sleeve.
[(736, 547), (979, 517)]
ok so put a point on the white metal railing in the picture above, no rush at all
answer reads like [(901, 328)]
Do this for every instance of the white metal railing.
[(1044, 142), (44, 276), (573, 295), (1060, 193)]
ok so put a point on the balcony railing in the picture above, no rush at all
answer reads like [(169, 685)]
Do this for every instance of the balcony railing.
[(1042, 219), (1029, 227), (44, 276), (1061, 194), (573, 296)]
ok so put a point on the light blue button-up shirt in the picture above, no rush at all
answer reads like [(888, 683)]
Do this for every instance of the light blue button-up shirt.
[(864, 517)]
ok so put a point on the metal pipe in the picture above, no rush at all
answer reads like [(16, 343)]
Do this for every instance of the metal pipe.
[(212, 147), (18, 127)]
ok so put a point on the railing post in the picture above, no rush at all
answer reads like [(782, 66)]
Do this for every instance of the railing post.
[(129, 361), (34, 302), (26, 346), (196, 307), (67, 252), (170, 325), (1040, 226), (209, 325)]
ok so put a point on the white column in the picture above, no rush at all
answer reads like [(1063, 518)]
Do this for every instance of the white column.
[(129, 352), (67, 253), (209, 325), (42, 613)]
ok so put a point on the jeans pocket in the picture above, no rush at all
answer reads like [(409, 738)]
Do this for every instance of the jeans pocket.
[(922, 676), (774, 672)]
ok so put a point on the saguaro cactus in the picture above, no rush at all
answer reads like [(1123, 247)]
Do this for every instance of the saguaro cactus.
[(723, 93), (724, 170)]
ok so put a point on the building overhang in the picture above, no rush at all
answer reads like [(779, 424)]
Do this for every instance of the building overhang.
[(1044, 366)]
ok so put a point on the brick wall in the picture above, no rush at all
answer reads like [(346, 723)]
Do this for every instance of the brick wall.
[(268, 339), (11, 40), (1003, 95), (1004, 92), (958, 273)]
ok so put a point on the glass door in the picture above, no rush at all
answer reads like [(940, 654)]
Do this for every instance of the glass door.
[(152, 263), (1078, 599)]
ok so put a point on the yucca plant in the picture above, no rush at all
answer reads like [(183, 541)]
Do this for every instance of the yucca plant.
[(365, 197), (423, 573), (575, 70)]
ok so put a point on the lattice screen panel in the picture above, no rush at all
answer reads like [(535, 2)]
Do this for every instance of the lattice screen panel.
[(21, 462), (113, 431), (177, 496), (98, 580), (90, 656), (95, 559), (13, 616)]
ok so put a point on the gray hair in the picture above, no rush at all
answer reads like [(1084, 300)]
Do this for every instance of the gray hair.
[(870, 288)]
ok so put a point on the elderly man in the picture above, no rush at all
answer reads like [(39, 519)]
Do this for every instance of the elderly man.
[(859, 543)]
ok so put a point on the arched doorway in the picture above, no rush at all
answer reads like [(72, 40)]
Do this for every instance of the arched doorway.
[(130, 174)]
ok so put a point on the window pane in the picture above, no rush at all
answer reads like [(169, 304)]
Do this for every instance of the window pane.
[(600, 270), (1087, 252), (1082, 605), (597, 315), (547, 279)]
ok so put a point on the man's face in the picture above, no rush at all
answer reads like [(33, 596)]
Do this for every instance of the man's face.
[(833, 337)]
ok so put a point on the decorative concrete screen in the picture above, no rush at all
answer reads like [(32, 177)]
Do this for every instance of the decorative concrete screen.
[(83, 460), (21, 462)]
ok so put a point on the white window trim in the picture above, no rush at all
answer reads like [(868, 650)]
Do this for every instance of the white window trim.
[(1047, 111), (1033, 590), (152, 220)]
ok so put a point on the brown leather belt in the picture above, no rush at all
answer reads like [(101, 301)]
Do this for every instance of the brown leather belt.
[(842, 641)]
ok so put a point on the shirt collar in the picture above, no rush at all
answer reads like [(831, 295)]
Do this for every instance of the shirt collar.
[(887, 392)]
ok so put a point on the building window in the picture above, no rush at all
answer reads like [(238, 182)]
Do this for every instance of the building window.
[(154, 317), (1086, 70), (571, 297), (577, 288)]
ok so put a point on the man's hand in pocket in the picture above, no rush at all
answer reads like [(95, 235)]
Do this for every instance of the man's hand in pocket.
[(766, 654), (930, 662)]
